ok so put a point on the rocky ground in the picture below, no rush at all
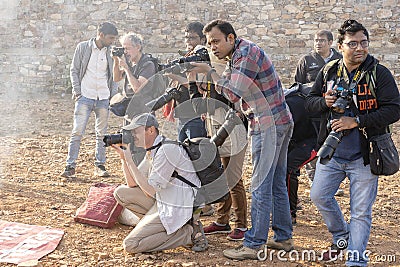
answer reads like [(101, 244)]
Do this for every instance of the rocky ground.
[(34, 133)]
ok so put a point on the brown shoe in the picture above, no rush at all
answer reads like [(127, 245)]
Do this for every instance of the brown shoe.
[(286, 245), (332, 253)]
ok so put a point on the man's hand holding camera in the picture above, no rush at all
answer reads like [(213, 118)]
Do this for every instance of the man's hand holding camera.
[(200, 67), (123, 150), (122, 63), (330, 97), (125, 154), (343, 123)]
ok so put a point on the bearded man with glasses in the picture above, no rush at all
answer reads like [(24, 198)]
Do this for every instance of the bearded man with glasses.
[(369, 114)]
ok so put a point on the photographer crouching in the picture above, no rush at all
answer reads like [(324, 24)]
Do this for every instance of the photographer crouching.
[(163, 204), (359, 98)]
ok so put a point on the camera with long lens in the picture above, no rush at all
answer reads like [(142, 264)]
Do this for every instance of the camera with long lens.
[(182, 64), (170, 93), (231, 120), (343, 101), (117, 51), (124, 137)]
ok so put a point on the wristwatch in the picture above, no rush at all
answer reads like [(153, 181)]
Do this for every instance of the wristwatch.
[(357, 119)]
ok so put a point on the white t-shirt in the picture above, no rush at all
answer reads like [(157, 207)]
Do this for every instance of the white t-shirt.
[(95, 82), (174, 197)]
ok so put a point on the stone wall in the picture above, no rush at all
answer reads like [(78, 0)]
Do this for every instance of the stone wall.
[(39, 36)]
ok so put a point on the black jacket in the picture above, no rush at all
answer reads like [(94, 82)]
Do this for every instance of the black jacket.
[(309, 65), (375, 113), (303, 127)]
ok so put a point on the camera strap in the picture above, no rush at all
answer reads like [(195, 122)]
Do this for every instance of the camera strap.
[(353, 84), (353, 105), (356, 78), (175, 173)]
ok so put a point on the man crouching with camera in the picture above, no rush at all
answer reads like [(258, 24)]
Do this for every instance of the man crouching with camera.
[(164, 204)]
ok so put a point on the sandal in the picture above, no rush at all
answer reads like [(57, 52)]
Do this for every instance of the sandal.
[(199, 240)]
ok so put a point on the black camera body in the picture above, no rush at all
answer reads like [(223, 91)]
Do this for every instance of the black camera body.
[(170, 93), (123, 137), (343, 101), (182, 64), (117, 51), (344, 98)]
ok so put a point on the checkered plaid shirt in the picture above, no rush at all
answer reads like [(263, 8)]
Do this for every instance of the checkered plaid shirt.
[(251, 78)]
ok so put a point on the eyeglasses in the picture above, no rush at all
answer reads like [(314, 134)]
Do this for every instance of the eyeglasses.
[(320, 40), (354, 44)]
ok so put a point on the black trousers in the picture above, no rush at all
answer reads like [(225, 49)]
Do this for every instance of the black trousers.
[(298, 155)]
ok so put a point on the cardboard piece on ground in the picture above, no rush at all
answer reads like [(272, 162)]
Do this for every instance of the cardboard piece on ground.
[(23, 242)]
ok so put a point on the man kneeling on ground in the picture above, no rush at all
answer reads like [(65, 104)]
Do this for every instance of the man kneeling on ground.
[(164, 204)]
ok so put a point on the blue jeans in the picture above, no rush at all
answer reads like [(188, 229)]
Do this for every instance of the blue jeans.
[(269, 191), (363, 190), (83, 107), (191, 129)]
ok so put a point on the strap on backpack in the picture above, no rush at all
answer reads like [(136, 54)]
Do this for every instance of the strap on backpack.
[(175, 173), (370, 77)]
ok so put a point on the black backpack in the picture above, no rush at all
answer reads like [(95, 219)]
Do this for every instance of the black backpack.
[(207, 163), (295, 98), (156, 84)]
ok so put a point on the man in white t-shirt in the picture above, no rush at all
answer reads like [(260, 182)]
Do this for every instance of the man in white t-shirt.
[(163, 204)]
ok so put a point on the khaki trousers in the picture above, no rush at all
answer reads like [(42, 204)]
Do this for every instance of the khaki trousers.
[(149, 234), (237, 198)]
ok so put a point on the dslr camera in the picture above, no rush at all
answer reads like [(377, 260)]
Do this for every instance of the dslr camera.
[(117, 51), (343, 101), (123, 137), (182, 64)]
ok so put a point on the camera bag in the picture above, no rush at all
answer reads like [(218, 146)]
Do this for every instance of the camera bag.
[(100, 207), (118, 104), (383, 155)]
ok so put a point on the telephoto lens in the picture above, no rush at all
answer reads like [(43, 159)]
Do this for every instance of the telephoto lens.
[(170, 93), (231, 120)]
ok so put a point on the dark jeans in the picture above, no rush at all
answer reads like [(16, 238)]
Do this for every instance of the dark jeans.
[(298, 155)]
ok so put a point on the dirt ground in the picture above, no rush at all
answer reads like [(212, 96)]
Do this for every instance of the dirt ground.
[(34, 134)]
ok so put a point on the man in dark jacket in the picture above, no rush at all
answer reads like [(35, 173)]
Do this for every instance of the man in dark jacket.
[(306, 71), (371, 109), (302, 143), (310, 64)]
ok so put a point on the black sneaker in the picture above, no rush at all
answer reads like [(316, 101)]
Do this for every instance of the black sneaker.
[(100, 171), (68, 172)]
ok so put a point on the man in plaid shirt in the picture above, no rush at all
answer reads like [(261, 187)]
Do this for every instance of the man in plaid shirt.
[(250, 77)]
